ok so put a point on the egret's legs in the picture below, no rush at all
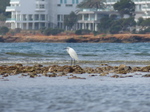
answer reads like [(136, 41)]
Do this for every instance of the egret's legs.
[(74, 61), (71, 61)]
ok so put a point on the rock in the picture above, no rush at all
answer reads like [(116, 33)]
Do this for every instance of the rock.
[(115, 76), (18, 65), (62, 74), (123, 69), (146, 69), (71, 74), (104, 64), (146, 75), (129, 76), (5, 80), (89, 70), (92, 75), (134, 69), (51, 75), (38, 65), (78, 69), (68, 69), (98, 70), (32, 75), (24, 75), (6, 75), (103, 74), (75, 77)]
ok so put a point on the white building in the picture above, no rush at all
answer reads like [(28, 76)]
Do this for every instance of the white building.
[(36, 14)]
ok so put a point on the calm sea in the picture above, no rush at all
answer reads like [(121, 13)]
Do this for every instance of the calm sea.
[(60, 94), (88, 53)]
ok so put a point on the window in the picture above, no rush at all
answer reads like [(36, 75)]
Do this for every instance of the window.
[(65, 1), (42, 17), (77, 1), (61, 1), (73, 2), (58, 17), (30, 18), (36, 17), (42, 6)]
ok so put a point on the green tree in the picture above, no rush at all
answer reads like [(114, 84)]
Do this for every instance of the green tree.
[(140, 20), (3, 14), (3, 30), (125, 7), (144, 25), (94, 4), (70, 20), (105, 23), (127, 23)]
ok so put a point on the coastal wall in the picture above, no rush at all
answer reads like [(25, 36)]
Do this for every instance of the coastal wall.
[(102, 38)]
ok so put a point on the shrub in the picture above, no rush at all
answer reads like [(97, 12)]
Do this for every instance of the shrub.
[(71, 40), (82, 32), (147, 30), (3, 30), (51, 31)]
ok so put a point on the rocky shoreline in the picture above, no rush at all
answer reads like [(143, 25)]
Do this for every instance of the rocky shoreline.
[(38, 70), (102, 38)]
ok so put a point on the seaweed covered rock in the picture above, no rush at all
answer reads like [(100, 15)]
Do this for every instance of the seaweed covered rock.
[(123, 69), (146, 69), (66, 69)]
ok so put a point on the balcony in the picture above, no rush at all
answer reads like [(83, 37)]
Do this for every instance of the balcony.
[(146, 16), (40, 10), (12, 8), (10, 20), (141, 1), (145, 9), (14, 1)]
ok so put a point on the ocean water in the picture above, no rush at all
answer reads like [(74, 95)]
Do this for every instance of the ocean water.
[(96, 94), (88, 53), (60, 94)]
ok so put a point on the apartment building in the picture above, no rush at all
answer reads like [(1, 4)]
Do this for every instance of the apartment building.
[(37, 14), (89, 18)]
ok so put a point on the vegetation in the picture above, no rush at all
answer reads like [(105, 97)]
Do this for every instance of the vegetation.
[(125, 7), (113, 25), (3, 14), (143, 25), (70, 20), (94, 4), (50, 31), (82, 32), (3, 30)]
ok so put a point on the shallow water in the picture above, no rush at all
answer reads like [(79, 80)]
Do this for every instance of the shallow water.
[(96, 94), (54, 53), (60, 94)]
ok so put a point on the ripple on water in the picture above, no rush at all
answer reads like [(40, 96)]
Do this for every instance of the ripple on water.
[(61, 94)]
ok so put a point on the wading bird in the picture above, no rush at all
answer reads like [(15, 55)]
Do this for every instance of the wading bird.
[(73, 54)]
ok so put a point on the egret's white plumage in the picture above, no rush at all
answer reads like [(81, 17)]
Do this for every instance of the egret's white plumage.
[(72, 54)]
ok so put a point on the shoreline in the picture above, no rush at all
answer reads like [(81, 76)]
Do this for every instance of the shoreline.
[(101, 38)]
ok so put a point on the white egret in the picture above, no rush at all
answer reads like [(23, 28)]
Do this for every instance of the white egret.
[(72, 54)]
